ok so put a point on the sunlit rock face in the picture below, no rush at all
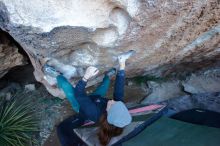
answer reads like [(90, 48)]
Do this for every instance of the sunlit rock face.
[(9, 55), (169, 36)]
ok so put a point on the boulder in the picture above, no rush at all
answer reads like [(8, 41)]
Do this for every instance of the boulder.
[(30, 87), (206, 82), (209, 101), (169, 36), (163, 91)]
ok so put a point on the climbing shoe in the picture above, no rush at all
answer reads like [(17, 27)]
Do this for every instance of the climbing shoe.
[(124, 56), (51, 71)]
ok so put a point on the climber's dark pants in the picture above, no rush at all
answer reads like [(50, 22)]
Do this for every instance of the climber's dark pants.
[(66, 134), (65, 131)]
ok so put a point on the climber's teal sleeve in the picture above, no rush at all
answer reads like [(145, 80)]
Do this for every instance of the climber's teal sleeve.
[(68, 89), (103, 87)]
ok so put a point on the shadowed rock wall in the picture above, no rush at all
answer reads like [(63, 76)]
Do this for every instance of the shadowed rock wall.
[(9, 55)]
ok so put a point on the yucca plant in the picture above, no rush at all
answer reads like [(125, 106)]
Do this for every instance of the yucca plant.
[(17, 122)]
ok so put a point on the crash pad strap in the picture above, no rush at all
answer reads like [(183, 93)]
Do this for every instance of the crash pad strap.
[(145, 108)]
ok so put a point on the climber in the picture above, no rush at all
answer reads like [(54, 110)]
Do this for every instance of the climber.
[(111, 115)]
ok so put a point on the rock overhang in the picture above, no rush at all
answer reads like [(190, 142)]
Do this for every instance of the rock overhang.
[(73, 35)]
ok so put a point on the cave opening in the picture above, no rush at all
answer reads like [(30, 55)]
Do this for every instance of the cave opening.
[(21, 73)]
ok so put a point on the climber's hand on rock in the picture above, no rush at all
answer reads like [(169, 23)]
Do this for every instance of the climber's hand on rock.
[(90, 72)]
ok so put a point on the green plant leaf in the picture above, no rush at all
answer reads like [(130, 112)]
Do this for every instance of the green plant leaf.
[(17, 122)]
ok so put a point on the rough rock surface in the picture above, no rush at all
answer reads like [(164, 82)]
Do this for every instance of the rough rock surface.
[(203, 81), (209, 101), (163, 91), (170, 36), (209, 81), (9, 55)]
